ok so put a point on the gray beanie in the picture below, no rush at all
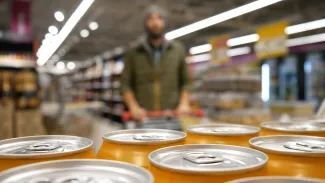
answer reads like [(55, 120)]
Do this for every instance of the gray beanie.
[(156, 9)]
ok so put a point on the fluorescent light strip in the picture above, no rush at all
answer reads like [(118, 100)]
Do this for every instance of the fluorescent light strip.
[(239, 51), (207, 56), (246, 50), (200, 49), (254, 37), (65, 31), (306, 40), (220, 18), (243, 40), (305, 26)]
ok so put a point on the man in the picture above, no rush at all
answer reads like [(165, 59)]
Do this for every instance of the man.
[(155, 76)]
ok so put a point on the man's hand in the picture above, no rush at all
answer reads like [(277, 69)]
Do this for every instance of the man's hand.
[(138, 113), (183, 109)]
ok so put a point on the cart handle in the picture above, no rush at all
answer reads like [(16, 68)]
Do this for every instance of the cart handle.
[(126, 116)]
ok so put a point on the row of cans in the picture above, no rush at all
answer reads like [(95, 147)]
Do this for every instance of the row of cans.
[(213, 153)]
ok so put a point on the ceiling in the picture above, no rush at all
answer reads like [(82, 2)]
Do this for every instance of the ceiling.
[(121, 22)]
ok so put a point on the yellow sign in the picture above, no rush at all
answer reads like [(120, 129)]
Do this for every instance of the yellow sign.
[(219, 49), (272, 42)]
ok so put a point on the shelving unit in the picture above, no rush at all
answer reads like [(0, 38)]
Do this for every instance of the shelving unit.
[(99, 82)]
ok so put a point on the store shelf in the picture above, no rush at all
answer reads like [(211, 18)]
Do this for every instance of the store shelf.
[(16, 64)]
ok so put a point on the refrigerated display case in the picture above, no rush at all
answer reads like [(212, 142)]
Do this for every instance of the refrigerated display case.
[(314, 69), (288, 79)]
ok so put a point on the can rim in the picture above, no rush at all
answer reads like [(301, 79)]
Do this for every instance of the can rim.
[(263, 125), (254, 131), (73, 161), (209, 172), (106, 138), (47, 155), (304, 154), (243, 180)]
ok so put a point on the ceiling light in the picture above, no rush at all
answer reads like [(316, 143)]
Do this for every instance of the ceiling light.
[(219, 18), (239, 51), (66, 29), (49, 36), (200, 49), (60, 65), (254, 37), (84, 33), (55, 58), (93, 26), (59, 16), (71, 65), (53, 30), (306, 40), (243, 40), (45, 41), (305, 26), (61, 52), (231, 42), (199, 58), (207, 56)]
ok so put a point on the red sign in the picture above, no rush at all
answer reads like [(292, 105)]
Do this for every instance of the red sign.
[(20, 16)]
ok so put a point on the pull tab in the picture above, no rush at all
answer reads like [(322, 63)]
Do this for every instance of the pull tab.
[(202, 157), (151, 137), (43, 147), (302, 146)]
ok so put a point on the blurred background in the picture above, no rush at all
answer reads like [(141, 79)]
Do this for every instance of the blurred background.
[(61, 61)]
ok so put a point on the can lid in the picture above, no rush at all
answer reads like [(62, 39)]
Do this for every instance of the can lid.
[(294, 126), (296, 145), (223, 129), (208, 159), (276, 179), (77, 171), (144, 136), (35, 147)]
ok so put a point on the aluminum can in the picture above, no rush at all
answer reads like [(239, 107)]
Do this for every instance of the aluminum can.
[(293, 128), (290, 155), (206, 163), (134, 146), (77, 171), (229, 134), (26, 150)]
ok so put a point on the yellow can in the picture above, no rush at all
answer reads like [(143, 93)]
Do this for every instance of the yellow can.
[(26, 150), (206, 163), (272, 179), (134, 146), (77, 171), (293, 128), (229, 134), (289, 155)]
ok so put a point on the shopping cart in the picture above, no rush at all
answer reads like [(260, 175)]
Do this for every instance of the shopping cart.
[(171, 120)]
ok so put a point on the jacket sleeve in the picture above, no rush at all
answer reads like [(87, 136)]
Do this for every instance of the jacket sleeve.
[(126, 82), (184, 73)]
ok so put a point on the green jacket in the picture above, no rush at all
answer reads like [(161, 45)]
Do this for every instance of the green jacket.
[(155, 87)]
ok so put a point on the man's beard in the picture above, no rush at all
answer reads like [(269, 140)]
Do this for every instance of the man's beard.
[(153, 35)]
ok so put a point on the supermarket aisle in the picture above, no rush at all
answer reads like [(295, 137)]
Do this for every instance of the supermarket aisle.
[(100, 127)]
